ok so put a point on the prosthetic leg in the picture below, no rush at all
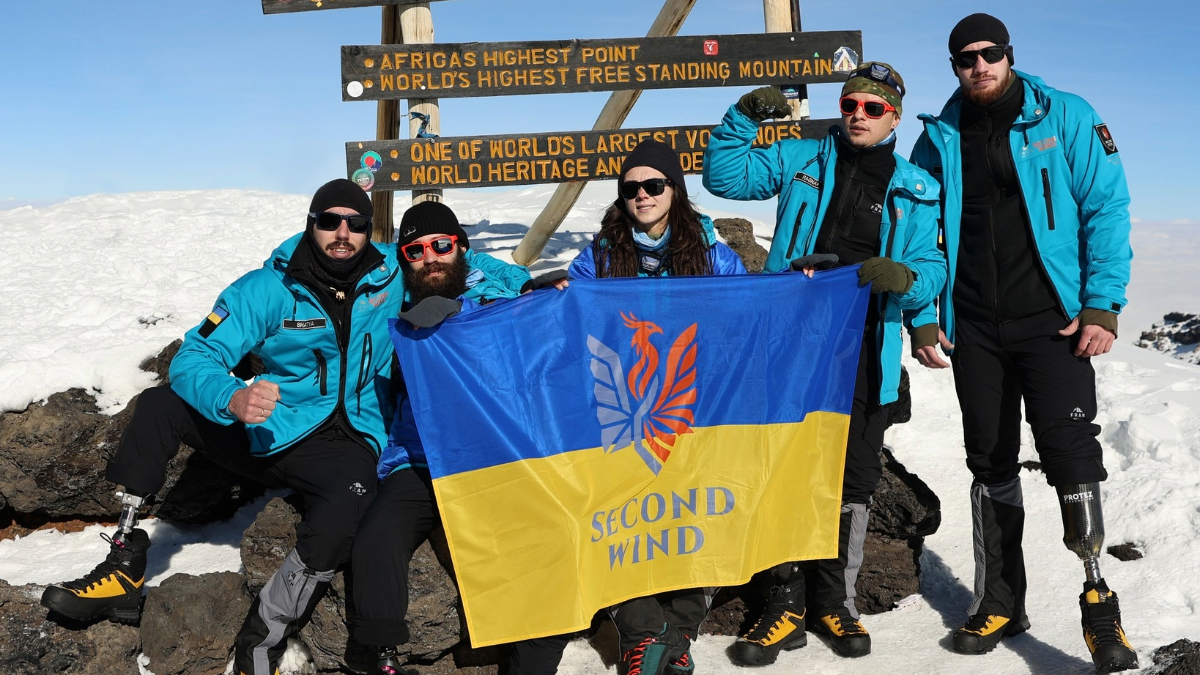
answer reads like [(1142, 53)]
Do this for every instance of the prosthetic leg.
[(114, 587), (1083, 533)]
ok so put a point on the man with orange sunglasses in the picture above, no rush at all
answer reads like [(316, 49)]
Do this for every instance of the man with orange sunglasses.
[(845, 199)]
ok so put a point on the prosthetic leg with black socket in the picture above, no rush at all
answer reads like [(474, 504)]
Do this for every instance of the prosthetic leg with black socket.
[(831, 586), (114, 587), (389, 663), (1083, 533), (781, 626), (998, 513), (281, 609)]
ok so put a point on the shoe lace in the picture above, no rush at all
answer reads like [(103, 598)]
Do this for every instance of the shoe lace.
[(111, 563), (684, 660), (771, 617), (1106, 631), (635, 656), (978, 622), (847, 624)]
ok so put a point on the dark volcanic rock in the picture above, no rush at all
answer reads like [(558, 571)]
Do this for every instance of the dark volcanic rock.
[(1181, 657), (904, 507), (738, 234), (31, 644), (53, 454), (1177, 335), (1125, 552), (189, 622)]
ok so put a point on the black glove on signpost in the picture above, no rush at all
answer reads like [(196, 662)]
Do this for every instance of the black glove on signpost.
[(885, 276), (765, 103)]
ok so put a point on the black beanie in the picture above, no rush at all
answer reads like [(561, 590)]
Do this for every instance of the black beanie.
[(656, 155), (429, 218), (344, 193), (977, 28)]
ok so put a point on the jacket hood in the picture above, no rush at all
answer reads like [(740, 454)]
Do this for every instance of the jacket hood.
[(278, 260), (1037, 101)]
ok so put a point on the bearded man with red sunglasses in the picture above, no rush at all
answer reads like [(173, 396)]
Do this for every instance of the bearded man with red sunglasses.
[(314, 319), (846, 198), (1036, 231)]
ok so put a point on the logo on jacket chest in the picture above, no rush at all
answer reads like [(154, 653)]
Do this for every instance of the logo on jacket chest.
[(377, 300), (807, 180)]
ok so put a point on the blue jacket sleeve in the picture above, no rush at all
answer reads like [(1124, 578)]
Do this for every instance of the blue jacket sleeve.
[(734, 170), (200, 371), (1099, 188), (510, 276), (725, 261), (584, 264)]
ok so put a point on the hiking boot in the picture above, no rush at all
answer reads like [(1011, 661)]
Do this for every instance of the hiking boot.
[(982, 632), (113, 589), (652, 655), (846, 634), (681, 665), (1102, 630), (780, 627)]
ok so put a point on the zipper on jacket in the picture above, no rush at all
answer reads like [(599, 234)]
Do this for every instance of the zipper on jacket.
[(796, 231), (1046, 191), (321, 370), (364, 367)]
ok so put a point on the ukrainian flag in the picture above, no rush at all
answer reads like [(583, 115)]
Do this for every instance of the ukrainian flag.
[(630, 436)]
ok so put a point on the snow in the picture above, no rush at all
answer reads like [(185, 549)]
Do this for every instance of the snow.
[(94, 285)]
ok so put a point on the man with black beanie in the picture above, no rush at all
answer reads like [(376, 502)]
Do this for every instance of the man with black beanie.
[(1036, 229), (850, 199), (314, 317)]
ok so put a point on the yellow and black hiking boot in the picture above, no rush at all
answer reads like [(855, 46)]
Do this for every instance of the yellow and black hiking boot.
[(113, 589), (780, 627), (1102, 630), (983, 632), (846, 634)]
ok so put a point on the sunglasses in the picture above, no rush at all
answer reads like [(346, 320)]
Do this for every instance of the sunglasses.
[(653, 187), (329, 221), (442, 246), (879, 73), (872, 109), (966, 58)]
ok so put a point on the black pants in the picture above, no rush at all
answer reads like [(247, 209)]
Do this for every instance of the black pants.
[(399, 520), (539, 656), (645, 617), (995, 367), (334, 474)]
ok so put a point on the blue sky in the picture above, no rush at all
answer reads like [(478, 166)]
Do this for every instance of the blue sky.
[(137, 95)]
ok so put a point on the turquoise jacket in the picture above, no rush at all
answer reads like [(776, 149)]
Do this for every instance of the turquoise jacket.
[(801, 173), (1075, 195), (491, 279), (724, 260), (274, 316)]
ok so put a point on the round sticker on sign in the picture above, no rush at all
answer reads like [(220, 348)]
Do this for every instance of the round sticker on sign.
[(355, 89), (364, 178), (371, 160)]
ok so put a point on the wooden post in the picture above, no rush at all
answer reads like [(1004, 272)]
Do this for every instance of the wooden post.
[(387, 127), (667, 23), (416, 23), (783, 16)]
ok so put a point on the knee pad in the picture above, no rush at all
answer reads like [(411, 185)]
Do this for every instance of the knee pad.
[(1083, 521)]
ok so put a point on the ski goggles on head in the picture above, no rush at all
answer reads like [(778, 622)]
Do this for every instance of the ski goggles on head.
[(329, 221), (653, 187), (879, 73), (966, 58), (872, 109), (441, 247)]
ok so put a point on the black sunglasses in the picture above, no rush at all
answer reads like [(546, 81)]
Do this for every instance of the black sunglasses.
[(966, 58), (329, 221), (653, 187), (879, 73)]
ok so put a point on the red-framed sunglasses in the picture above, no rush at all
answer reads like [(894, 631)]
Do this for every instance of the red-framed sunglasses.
[(872, 109), (441, 247)]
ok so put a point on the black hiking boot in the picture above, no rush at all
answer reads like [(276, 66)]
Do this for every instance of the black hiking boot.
[(1111, 651), (847, 636), (112, 589), (389, 663), (983, 632), (780, 627)]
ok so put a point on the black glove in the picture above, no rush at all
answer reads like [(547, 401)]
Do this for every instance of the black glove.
[(431, 311), (885, 276), (817, 261), (765, 103), (548, 278)]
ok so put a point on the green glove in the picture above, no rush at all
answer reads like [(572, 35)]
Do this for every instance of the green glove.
[(924, 336), (1099, 317), (765, 103), (885, 276)]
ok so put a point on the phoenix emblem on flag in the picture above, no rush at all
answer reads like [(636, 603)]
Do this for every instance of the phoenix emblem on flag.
[(646, 409)]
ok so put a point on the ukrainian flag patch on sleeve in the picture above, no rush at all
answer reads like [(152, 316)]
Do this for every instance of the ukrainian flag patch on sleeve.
[(213, 320)]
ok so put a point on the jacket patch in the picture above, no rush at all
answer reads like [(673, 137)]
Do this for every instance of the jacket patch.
[(1047, 143), (1106, 139), (807, 180), (307, 324), (377, 300), (213, 320)]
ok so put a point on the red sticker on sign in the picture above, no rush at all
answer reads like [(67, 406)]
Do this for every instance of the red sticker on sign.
[(710, 47)]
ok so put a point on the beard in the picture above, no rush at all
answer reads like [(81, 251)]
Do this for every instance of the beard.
[(989, 96), (451, 284)]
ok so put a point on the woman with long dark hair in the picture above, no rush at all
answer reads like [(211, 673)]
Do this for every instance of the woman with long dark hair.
[(651, 229)]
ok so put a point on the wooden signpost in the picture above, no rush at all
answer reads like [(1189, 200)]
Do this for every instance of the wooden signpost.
[(288, 6), (529, 159), (374, 72)]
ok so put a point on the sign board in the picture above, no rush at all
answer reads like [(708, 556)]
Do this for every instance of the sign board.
[(286, 6), (530, 159), (374, 72)]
